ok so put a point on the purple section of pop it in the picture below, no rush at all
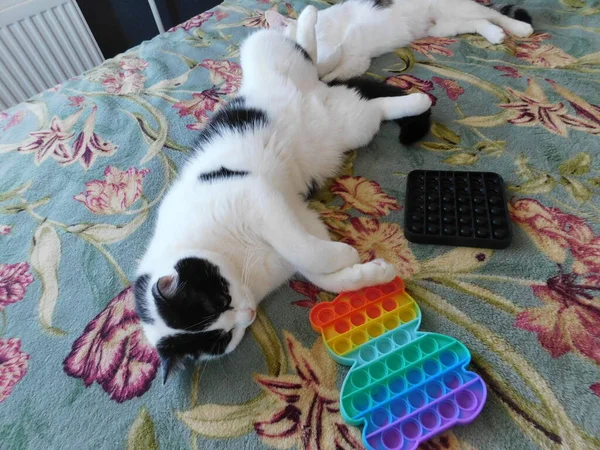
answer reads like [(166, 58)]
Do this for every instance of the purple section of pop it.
[(426, 418)]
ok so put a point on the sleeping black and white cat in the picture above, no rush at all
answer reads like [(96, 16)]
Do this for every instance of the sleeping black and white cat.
[(349, 34), (235, 224)]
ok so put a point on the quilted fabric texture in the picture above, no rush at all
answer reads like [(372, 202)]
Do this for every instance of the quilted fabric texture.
[(84, 165)]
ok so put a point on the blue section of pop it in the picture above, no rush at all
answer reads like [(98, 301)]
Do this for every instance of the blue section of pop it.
[(406, 386)]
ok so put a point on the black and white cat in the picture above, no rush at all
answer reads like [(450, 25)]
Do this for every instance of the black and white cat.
[(349, 34), (235, 224)]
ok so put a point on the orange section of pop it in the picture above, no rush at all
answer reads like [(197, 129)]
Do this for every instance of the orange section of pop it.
[(354, 318)]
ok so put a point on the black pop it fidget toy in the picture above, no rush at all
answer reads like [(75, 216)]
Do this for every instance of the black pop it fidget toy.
[(466, 209)]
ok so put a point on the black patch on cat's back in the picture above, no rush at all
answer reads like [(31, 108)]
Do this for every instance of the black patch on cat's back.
[(383, 3), (523, 16), (236, 116), (303, 51), (141, 303), (222, 173), (515, 12), (194, 345), (412, 128), (201, 296)]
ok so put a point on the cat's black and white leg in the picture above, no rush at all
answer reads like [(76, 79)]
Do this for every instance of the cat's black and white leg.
[(296, 236), (354, 276)]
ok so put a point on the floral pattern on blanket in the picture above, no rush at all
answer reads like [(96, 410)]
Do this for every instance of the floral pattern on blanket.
[(84, 165)]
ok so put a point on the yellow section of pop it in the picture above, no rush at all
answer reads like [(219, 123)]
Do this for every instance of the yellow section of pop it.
[(359, 326)]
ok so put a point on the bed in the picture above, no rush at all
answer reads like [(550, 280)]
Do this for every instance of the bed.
[(84, 165)]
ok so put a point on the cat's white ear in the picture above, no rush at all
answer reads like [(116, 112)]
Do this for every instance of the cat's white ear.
[(275, 20), (167, 286)]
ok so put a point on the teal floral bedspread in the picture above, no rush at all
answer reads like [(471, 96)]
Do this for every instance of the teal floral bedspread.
[(84, 165)]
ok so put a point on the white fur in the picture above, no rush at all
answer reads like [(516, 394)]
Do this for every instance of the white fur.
[(257, 229), (349, 34)]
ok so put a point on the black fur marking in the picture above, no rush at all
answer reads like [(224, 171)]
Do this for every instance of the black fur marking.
[(235, 116), (201, 296), (141, 303), (412, 128), (221, 174), (180, 347), (383, 3), (514, 12), (312, 190), (304, 52), (193, 345), (522, 15)]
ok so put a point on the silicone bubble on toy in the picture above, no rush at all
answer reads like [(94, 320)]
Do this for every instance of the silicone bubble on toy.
[(404, 385)]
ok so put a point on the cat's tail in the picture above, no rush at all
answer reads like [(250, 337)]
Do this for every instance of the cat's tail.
[(412, 128), (514, 12), (306, 34)]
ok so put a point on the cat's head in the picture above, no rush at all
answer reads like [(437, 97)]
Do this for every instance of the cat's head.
[(193, 308), (283, 24)]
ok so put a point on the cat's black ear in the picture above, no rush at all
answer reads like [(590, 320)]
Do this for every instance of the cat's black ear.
[(167, 286)]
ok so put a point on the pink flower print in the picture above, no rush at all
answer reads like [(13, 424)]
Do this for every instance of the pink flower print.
[(256, 19), (508, 71), (545, 55), (132, 64), (122, 83), (532, 107), (308, 290), (225, 74), (14, 279), (198, 106), (113, 352), (88, 145), (194, 22), (117, 192), (569, 317), (76, 100), (5, 229), (433, 45), (52, 142), (13, 119), (13, 365), (220, 15), (453, 90), (412, 84)]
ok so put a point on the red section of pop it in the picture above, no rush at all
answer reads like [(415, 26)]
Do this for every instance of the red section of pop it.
[(324, 314)]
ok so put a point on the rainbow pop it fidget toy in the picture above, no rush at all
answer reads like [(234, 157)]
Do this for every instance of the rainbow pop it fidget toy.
[(404, 385)]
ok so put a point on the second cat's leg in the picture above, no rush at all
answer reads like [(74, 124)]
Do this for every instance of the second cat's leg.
[(485, 28), (459, 11)]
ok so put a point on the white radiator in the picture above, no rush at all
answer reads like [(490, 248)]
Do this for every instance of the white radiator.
[(42, 43)]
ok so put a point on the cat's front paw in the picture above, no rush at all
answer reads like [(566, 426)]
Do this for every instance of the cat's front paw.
[(521, 29), (309, 14), (419, 103), (376, 272), (495, 35)]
